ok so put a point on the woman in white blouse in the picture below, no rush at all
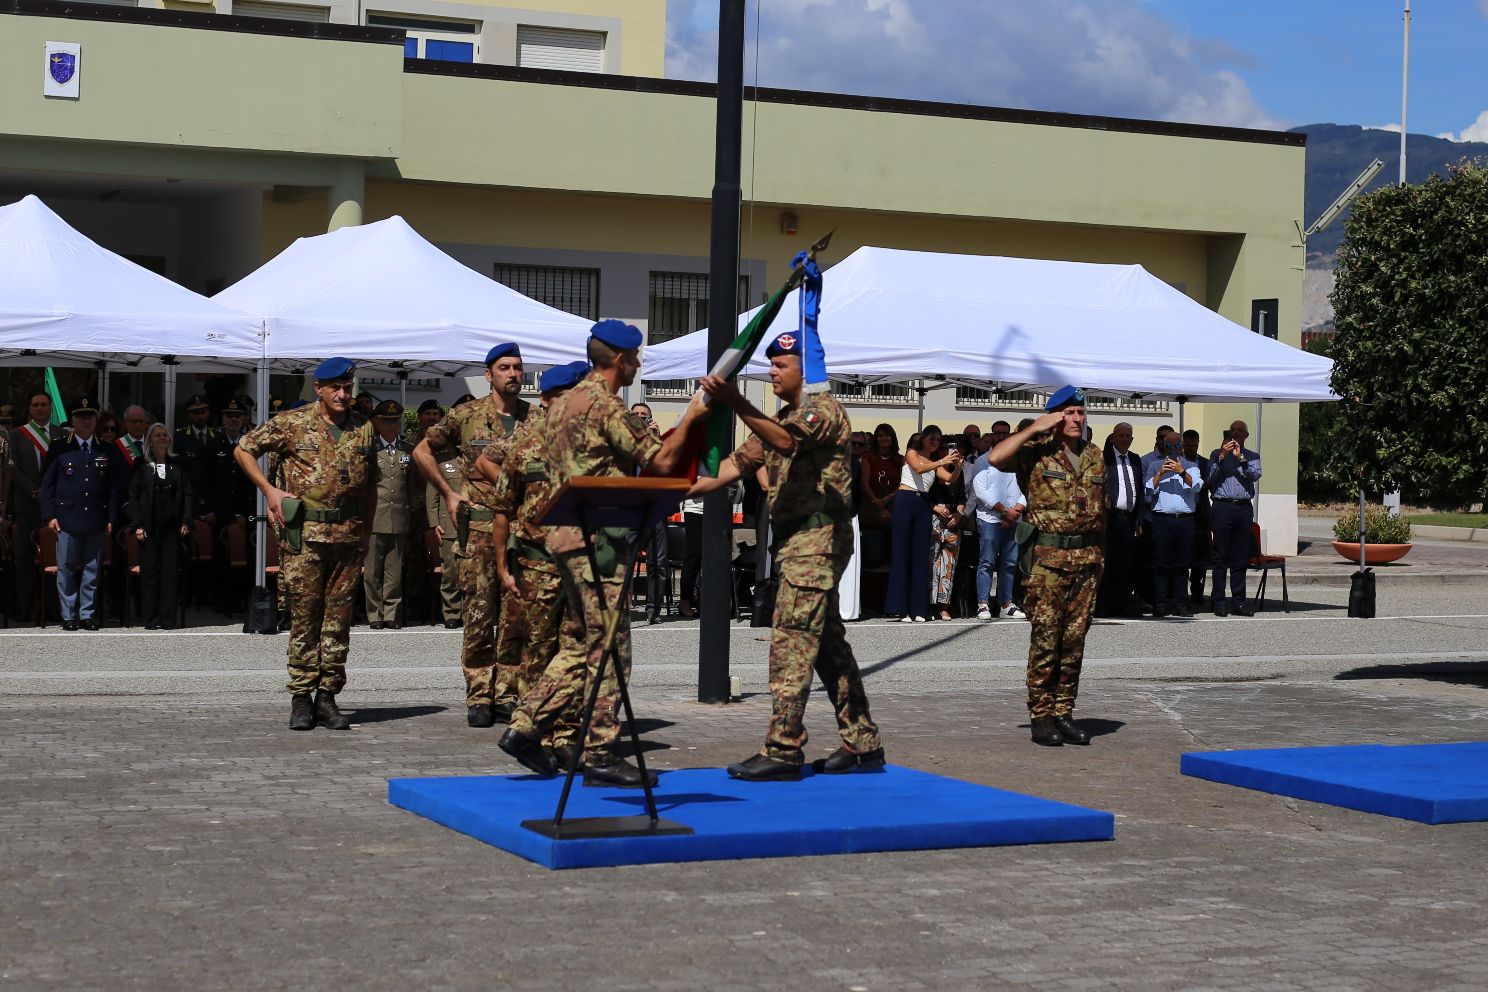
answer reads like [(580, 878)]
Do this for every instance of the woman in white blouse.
[(908, 596)]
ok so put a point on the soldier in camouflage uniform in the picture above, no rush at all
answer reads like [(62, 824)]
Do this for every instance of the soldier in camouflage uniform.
[(470, 429), (326, 457), (804, 450), (532, 594), (1063, 477), (590, 432)]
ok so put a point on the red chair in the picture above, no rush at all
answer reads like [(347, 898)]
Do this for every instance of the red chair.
[(131, 575), (46, 567), (235, 541), (1264, 564)]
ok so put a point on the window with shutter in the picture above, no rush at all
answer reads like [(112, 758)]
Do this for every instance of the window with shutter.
[(560, 48), (281, 11)]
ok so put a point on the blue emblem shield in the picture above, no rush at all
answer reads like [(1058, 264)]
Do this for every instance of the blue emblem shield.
[(62, 65)]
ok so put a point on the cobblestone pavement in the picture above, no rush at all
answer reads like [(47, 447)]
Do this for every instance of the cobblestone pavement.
[(188, 843)]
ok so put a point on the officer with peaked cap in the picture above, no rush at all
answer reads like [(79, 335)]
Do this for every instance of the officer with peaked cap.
[(591, 433), (805, 450), (1063, 478), (194, 443), (399, 508), (469, 429), (327, 458)]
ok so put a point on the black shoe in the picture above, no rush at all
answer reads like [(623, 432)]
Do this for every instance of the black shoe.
[(376, 625), (69, 625), (302, 712), (480, 715), (452, 625), (1221, 610), (652, 617), (1241, 610), (1046, 731), (530, 754), (1159, 611), (393, 625), (842, 760), (1182, 610), (502, 711), (88, 624), (563, 755), (326, 712), (1071, 733), (619, 773), (152, 625), (763, 768)]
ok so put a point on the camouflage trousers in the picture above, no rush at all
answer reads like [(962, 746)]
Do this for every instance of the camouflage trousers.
[(482, 604), (528, 633), (809, 636), (1059, 601), (321, 583), (562, 690)]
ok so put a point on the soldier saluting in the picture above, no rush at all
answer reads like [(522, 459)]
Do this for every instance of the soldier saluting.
[(1063, 477), (326, 459)]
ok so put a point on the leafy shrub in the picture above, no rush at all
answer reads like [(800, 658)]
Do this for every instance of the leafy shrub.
[(1380, 527)]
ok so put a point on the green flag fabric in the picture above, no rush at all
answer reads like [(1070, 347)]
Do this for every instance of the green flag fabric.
[(59, 412), (743, 347)]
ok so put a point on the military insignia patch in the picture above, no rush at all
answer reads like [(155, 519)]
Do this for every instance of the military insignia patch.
[(812, 419), (786, 341), (62, 65)]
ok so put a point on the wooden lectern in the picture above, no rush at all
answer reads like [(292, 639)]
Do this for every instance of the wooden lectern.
[(637, 504)]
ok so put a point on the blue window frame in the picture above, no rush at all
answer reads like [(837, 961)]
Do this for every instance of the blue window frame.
[(448, 51)]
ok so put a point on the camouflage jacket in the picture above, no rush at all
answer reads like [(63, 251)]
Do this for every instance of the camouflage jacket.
[(523, 487), (327, 467), (590, 432), (1062, 499), (810, 495), (470, 429)]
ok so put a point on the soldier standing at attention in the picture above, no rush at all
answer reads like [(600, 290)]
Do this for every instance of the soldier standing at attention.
[(400, 501), (326, 457), (590, 432), (452, 601), (469, 429), (806, 454), (194, 444), (1063, 477), (532, 594)]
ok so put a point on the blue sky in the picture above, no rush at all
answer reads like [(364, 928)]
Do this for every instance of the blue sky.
[(1254, 63)]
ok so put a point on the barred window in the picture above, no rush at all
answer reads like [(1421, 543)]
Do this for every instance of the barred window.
[(1034, 399), (900, 393), (678, 306), (572, 290)]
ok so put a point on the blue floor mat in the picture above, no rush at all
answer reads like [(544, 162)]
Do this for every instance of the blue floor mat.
[(897, 809), (1429, 783)]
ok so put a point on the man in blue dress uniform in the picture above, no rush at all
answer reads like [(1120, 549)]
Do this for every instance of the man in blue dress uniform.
[(82, 495)]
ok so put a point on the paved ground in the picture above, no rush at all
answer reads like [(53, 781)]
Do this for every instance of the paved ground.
[(181, 838)]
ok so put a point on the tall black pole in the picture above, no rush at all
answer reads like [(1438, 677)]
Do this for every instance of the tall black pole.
[(723, 301)]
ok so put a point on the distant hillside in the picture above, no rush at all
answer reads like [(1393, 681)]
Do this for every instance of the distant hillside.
[(1337, 153)]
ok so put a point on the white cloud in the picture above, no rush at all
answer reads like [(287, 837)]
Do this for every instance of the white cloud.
[(1383, 127), (1476, 131), (1120, 58)]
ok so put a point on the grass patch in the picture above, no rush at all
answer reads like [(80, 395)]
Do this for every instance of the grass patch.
[(1450, 519)]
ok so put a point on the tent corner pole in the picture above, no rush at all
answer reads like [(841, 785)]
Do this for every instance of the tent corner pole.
[(260, 512)]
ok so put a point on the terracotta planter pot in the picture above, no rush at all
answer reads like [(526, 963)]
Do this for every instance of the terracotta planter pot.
[(1374, 554)]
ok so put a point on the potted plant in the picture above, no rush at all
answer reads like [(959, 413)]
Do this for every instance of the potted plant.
[(1387, 537)]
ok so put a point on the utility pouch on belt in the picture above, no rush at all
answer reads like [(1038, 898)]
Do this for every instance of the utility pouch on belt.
[(607, 541), (462, 525), (293, 511), (1026, 534)]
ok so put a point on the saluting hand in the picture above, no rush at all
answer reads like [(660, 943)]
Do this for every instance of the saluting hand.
[(1047, 422)]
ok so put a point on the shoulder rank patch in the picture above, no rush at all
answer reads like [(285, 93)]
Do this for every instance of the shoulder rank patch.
[(812, 418)]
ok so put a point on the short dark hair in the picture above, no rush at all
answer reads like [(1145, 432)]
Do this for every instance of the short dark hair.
[(1003, 423), (1190, 435), (601, 355)]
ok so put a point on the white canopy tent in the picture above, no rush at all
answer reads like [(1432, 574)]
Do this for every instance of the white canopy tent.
[(1015, 323)]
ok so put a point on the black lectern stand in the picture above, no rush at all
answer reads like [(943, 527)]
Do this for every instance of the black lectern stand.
[(589, 503)]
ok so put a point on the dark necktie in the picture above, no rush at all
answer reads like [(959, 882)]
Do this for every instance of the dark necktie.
[(1126, 481)]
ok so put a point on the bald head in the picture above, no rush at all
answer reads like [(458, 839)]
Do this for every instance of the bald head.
[(136, 421)]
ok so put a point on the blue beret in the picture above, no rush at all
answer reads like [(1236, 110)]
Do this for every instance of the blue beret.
[(617, 334), (563, 376), (299, 403), (504, 350), (1065, 396), (789, 343), (335, 368)]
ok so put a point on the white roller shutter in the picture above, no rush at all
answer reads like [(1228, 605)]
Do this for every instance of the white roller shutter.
[(560, 48), (281, 11)]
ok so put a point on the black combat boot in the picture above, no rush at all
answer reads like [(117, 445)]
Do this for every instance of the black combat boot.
[(480, 715), (502, 710), (528, 752), (302, 712), (1046, 731), (563, 755), (618, 773), (763, 768), (1069, 731), (326, 712), (842, 760)]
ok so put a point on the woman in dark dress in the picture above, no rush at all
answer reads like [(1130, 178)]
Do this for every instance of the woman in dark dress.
[(160, 509)]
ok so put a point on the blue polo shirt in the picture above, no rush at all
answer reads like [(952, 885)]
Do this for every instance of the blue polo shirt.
[(1173, 494)]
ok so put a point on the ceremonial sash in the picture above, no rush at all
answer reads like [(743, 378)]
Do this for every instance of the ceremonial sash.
[(41, 442), (125, 449)]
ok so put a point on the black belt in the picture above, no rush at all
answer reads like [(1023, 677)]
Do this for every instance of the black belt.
[(1165, 513), (1226, 499), (1127, 512), (1069, 542)]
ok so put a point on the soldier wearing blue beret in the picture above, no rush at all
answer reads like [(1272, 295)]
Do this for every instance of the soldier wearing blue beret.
[(82, 497), (1063, 478)]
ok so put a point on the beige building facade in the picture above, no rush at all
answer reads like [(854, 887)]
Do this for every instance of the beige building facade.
[(557, 159)]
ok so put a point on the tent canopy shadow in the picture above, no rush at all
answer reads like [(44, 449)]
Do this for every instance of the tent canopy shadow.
[(1455, 672)]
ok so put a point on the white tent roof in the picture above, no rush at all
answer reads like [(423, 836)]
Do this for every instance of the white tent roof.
[(1017, 323), (66, 301), (383, 295)]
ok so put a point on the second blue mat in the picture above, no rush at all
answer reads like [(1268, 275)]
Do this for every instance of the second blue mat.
[(899, 809), (1429, 783)]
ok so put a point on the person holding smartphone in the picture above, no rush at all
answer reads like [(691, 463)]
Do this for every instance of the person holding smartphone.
[(1234, 471), (1172, 490)]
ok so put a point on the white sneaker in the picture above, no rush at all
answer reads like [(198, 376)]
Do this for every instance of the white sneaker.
[(1011, 612), (984, 614)]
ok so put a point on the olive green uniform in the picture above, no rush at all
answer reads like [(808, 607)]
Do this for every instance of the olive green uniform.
[(400, 501), (451, 600)]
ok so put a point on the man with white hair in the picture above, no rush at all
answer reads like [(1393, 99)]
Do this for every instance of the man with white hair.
[(131, 443)]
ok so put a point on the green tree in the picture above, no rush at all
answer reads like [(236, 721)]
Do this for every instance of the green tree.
[(1411, 311), (1325, 454)]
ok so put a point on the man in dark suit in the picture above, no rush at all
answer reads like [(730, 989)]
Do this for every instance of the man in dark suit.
[(233, 497), (29, 444), (1125, 502), (82, 495), (194, 444)]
